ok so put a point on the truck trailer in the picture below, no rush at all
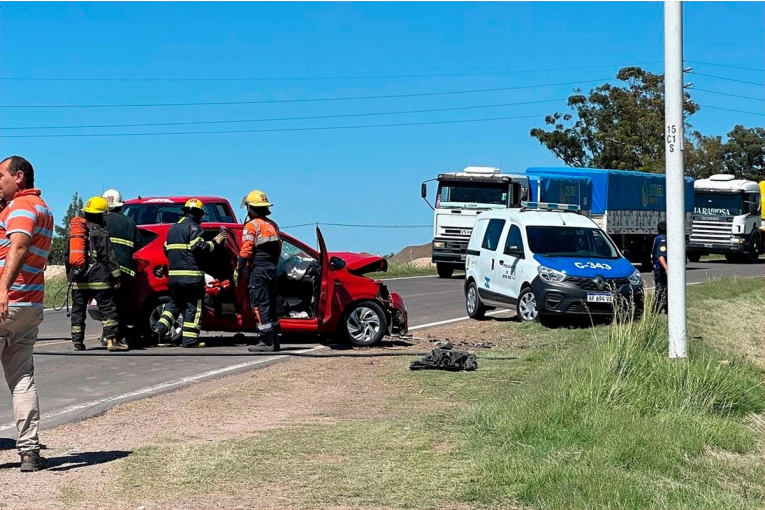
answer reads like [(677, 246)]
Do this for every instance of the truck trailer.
[(628, 205)]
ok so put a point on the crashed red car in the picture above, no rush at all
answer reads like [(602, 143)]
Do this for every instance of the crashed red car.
[(320, 292)]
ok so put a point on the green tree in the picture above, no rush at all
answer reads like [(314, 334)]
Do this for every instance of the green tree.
[(745, 153), (619, 127), (61, 233), (704, 155)]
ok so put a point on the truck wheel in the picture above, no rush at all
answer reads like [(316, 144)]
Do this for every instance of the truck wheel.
[(694, 257), (475, 309), (365, 324), (444, 271), (754, 248), (526, 308)]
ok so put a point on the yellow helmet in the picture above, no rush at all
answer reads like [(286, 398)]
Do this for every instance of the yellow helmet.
[(256, 198), (193, 203), (95, 205)]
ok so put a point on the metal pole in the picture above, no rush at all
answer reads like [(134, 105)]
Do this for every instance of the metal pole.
[(674, 138)]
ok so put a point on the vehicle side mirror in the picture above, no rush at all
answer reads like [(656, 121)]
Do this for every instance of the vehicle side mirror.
[(514, 251), (336, 263), (626, 254), (424, 190)]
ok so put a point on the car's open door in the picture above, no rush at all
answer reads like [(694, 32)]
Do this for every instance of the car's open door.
[(240, 288), (327, 282)]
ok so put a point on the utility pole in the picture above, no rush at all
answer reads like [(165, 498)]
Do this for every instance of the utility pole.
[(674, 141)]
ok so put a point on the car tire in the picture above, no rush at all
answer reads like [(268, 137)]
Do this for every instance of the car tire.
[(694, 257), (364, 324), (444, 271), (176, 333), (475, 308), (526, 307)]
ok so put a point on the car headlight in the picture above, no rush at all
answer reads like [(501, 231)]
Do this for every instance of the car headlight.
[(549, 274), (438, 244), (635, 278)]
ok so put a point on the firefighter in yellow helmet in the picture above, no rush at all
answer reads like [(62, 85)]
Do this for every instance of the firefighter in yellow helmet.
[(98, 279), (186, 281), (261, 248)]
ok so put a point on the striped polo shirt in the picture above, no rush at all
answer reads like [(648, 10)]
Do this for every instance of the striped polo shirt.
[(28, 214)]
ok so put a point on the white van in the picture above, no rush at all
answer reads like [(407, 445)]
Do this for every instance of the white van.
[(545, 259)]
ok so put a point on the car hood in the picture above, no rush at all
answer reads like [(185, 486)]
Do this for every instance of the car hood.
[(358, 263), (588, 267)]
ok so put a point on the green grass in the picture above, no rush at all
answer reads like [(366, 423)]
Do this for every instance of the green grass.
[(400, 270), (585, 418), (52, 288)]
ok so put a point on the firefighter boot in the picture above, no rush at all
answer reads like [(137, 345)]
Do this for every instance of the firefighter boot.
[(114, 345), (266, 343)]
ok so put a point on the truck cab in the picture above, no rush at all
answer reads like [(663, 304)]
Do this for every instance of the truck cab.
[(727, 219), (460, 198)]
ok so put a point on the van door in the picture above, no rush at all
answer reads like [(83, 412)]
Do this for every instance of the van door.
[(488, 260), (508, 268), (324, 311)]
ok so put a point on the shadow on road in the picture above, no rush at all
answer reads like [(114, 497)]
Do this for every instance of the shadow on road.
[(77, 460)]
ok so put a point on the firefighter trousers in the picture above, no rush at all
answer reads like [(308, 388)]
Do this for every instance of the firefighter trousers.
[(263, 295), (188, 300), (106, 308), (120, 297)]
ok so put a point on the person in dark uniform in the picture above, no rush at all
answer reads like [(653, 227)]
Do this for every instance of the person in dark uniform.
[(261, 249), (186, 281), (126, 240), (99, 279), (659, 259)]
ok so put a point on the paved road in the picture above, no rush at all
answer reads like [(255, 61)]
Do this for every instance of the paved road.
[(74, 385)]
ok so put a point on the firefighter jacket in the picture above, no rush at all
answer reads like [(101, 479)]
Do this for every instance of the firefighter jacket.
[(102, 270), (261, 243), (125, 238), (185, 244)]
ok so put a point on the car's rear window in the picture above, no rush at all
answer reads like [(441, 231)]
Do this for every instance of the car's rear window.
[(157, 213)]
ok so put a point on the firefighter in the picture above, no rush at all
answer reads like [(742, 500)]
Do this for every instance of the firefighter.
[(659, 259), (186, 281), (261, 248), (97, 279), (126, 240)]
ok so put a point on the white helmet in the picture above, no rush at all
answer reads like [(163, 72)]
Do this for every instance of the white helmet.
[(113, 198)]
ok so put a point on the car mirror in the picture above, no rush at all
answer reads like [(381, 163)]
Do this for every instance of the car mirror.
[(514, 251), (424, 190), (336, 263), (626, 254)]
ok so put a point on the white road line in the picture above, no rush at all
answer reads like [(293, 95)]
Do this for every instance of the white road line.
[(449, 321), (156, 387)]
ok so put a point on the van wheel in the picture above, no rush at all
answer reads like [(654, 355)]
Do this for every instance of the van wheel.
[(444, 271), (526, 308), (365, 324), (694, 257), (475, 309), (176, 331)]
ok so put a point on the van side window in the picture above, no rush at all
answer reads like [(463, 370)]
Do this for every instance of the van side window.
[(514, 242), (493, 233)]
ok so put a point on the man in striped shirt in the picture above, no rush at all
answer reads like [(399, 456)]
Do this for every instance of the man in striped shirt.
[(26, 228)]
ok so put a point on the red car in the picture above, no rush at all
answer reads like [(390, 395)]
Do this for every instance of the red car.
[(319, 292)]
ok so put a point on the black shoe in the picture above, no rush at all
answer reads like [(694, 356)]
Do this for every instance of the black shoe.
[(262, 348), (31, 461), (78, 346)]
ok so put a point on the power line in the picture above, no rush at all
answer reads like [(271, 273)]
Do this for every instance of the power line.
[(729, 79), (722, 94), (726, 65), (327, 78), (730, 110), (275, 130), (313, 100), (274, 119)]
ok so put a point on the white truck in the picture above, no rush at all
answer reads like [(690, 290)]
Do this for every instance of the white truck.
[(460, 198), (726, 219)]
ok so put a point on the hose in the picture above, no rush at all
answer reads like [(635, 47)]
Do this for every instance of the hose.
[(68, 288)]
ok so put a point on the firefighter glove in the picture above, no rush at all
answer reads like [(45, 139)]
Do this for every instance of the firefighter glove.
[(221, 237), (236, 275)]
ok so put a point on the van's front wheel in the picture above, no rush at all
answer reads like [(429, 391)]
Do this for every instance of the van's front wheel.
[(526, 308)]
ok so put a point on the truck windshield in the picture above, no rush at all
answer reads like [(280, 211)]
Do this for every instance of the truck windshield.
[(471, 194), (157, 213), (570, 242), (718, 205)]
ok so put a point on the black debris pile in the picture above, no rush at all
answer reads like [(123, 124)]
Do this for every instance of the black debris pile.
[(445, 357)]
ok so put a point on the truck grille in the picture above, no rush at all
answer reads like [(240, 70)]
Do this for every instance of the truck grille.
[(588, 284), (711, 231), (457, 232)]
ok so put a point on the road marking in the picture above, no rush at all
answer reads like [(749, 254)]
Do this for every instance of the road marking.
[(156, 387), (449, 321)]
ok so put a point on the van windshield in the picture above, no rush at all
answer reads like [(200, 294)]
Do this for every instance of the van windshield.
[(570, 242)]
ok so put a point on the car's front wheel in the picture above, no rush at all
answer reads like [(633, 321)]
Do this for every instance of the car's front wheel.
[(526, 307), (176, 331), (365, 324)]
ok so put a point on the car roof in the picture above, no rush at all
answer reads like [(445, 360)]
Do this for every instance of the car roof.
[(173, 200), (541, 218)]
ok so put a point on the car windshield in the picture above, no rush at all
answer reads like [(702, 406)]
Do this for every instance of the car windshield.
[(157, 213), (471, 194), (718, 205), (570, 242)]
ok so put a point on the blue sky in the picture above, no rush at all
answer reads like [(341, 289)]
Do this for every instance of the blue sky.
[(358, 176)]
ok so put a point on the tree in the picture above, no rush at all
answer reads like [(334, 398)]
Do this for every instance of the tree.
[(61, 234), (704, 155), (614, 127), (745, 153)]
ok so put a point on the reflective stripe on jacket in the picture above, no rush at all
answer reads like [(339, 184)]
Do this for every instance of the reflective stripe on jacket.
[(260, 242), (125, 238), (102, 269), (185, 242)]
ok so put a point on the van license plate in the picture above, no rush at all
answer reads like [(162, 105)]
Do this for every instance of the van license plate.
[(599, 297)]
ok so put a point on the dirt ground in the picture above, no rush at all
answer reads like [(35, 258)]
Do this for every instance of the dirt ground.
[(86, 455)]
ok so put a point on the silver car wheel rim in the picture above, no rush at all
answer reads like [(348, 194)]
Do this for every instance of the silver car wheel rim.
[(528, 306), (175, 331), (471, 300), (363, 324)]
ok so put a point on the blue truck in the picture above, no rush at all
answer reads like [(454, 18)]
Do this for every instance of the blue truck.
[(628, 205), (561, 189)]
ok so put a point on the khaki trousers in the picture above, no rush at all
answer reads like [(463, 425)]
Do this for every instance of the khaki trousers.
[(18, 335)]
